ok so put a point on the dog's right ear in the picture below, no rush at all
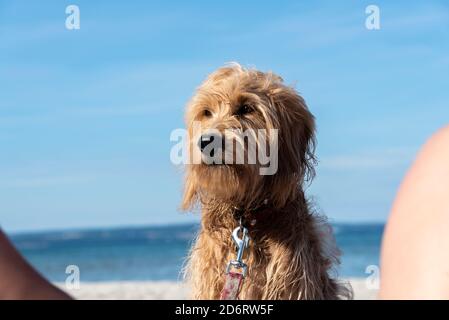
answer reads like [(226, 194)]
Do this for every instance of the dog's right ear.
[(190, 195)]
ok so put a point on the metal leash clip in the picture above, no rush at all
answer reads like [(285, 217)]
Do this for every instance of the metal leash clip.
[(242, 244)]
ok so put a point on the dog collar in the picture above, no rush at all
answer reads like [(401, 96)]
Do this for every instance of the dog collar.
[(250, 217)]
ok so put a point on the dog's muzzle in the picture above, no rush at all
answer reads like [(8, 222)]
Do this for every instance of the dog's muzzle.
[(206, 140)]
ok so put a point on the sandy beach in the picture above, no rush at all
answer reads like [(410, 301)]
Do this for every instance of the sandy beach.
[(163, 290)]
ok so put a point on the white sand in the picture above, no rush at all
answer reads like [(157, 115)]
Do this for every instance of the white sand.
[(160, 290)]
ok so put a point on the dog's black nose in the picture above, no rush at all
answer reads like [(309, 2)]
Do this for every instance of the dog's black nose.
[(205, 140)]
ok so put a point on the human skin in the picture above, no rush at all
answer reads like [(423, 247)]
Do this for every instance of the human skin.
[(415, 250), (19, 280)]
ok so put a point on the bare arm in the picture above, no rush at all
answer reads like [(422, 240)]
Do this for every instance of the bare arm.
[(415, 253), (18, 279)]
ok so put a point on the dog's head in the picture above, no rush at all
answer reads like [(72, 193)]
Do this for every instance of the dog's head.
[(240, 113)]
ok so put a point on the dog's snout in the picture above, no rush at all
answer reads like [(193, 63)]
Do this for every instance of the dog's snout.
[(205, 140)]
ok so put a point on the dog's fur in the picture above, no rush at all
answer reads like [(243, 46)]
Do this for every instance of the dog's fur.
[(292, 250)]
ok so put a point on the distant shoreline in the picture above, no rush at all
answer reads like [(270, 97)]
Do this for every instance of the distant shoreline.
[(120, 228)]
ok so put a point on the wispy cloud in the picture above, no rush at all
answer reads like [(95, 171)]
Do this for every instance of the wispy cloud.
[(13, 36), (45, 181), (427, 16), (113, 111), (46, 116), (370, 159)]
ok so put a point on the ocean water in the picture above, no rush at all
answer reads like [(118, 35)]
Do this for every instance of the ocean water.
[(158, 253)]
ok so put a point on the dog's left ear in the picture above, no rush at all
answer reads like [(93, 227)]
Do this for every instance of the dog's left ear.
[(296, 136)]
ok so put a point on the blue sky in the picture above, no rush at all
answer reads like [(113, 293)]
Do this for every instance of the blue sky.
[(86, 115)]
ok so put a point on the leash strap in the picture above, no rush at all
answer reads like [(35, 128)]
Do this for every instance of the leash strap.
[(232, 286)]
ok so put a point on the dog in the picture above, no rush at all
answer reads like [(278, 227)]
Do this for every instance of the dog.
[(291, 252)]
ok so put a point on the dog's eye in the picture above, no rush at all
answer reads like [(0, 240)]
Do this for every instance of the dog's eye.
[(207, 113), (244, 109)]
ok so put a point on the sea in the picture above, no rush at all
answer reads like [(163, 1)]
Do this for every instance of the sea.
[(159, 252)]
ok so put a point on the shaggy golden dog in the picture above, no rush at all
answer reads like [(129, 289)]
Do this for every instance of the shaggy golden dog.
[(291, 250)]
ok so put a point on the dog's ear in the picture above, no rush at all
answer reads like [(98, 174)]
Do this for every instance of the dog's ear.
[(190, 195), (296, 140)]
